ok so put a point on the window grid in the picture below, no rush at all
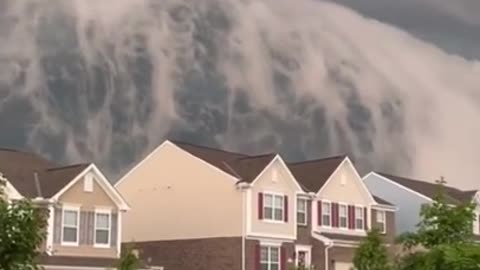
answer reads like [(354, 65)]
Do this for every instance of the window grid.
[(302, 211), (343, 216), (326, 214), (269, 258), (273, 207)]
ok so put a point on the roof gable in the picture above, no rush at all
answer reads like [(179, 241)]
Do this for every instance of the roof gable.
[(452, 195)]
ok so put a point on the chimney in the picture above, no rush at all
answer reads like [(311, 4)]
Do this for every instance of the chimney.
[(37, 184)]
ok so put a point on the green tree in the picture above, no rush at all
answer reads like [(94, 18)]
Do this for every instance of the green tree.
[(128, 260), (444, 237), (372, 253), (22, 231)]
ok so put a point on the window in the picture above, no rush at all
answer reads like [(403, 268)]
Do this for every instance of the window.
[(326, 214), (88, 183), (269, 258), (359, 218), (102, 228), (381, 221), (273, 207), (70, 226), (343, 216), (302, 211)]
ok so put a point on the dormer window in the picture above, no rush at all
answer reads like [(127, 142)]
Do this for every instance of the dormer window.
[(88, 183)]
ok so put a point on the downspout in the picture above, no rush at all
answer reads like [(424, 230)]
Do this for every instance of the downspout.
[(329, 245), (243, 188)]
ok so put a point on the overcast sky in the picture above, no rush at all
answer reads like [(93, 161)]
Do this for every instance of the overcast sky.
[(453, 25)]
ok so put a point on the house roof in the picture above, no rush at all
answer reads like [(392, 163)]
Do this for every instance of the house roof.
[(452, 195), (311, 174), (381, 201), (20, 167)]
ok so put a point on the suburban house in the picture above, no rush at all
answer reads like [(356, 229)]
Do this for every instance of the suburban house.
[(85, 210), (409, 195), (195, 207)]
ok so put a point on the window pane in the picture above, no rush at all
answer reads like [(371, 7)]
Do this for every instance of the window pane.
[(278, 214), (278, 202), (343, 222), (358, 212), (264, 266), (301, 205), (264, 254), (69, 234), (268, 213), (301, 218), (380, 216), (268, 200), (274, 267), (359, 224), (326, 208), (343, 210), (101, 236), (103, 221), (70, 218), (326, 220), (274, 254)]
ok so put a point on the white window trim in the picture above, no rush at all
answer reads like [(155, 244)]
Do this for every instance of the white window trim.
[(109, 213), (340, 216), (73, 209), (305, 201), (273, 220), (329, 213), (269, 247), (308, 250), (362, 215), (384, 222), (476, 224)]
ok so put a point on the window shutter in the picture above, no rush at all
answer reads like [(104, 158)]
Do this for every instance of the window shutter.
[(319, 211), (283, 259), (365, 218), (354, 217), (83, 227), (260, 205), (114, 230), (335, 214), (351, 221), (57, 221), (285, 208), (257, 257), (332, 214)]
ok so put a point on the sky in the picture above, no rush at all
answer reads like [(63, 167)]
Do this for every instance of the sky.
[(453, 26), (394, 84)]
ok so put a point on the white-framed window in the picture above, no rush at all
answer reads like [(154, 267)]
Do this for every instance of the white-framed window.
[(269, 258), (70, 221), (302, 211), (303, 256), (273, 207), (326, 214), (102, 228), (359, 216), (88, 183), (381, 221), (342, 216)]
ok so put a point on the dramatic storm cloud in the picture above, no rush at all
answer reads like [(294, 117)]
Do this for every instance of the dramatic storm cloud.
[(84, 80)]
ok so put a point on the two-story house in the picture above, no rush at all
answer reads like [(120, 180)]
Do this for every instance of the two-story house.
[(409, 195), (85, 210), (196, 207)]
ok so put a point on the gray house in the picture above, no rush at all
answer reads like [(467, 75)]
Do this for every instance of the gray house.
[(409, 195)]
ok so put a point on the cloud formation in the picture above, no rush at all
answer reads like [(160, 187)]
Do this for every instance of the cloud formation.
[(110, 82)]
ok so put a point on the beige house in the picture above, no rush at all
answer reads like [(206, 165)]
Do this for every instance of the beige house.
[(85, 210), (195, 207)]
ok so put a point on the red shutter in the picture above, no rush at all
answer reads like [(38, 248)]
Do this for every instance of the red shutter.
[(353, 217), (365, 218), (351, 223), (285, 210), (319, 211), (283, 259), (335, 214), (257, 257), (260, 205)]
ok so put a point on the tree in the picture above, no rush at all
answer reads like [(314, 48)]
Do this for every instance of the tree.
[(445, 235), (22, 231), (128, 260), (371, 254)]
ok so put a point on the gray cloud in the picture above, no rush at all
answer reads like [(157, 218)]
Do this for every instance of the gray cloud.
[(90, 80)]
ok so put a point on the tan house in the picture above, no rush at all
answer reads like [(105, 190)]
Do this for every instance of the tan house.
[(195, 207), (85, 210)]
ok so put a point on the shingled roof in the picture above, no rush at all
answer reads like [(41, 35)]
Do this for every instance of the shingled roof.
[(453, 195), (20, 168)]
